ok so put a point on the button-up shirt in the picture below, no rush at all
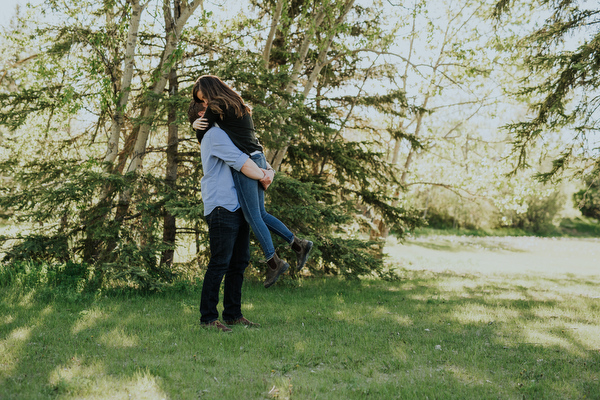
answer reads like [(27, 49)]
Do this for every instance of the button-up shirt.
[(219, 154)]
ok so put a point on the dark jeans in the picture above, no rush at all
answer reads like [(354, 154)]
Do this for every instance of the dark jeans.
[(251, 196), (229, 237)]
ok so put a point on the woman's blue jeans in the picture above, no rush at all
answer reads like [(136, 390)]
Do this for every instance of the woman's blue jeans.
[(229, 239), (251, 196)]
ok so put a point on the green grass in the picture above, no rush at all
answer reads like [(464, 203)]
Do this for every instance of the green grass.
[(446, 334), (579, 227)]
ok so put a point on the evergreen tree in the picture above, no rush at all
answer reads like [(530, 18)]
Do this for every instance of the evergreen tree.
[(106, 89), (563, 59)]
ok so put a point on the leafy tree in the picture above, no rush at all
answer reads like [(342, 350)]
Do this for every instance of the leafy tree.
[(95, 124), (588, 199), (563, 59), (448, 60), (311, 132), (87, 69)]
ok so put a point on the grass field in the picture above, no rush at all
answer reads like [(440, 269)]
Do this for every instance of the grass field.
[(470, 318)]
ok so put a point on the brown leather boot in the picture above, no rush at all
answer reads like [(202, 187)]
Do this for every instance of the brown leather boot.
[(302, 247), (276, 267)]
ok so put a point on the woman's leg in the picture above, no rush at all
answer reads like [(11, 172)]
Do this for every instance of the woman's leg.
[(274, 224), (248, 195), (301, 247), (251, 197)]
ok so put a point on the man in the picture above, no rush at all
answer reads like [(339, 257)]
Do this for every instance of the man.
[(228, 231)]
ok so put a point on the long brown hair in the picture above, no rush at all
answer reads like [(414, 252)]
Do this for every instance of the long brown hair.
[(219, 96)]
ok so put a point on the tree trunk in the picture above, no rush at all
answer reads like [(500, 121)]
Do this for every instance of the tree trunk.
[(174, 24), (276, 156), (123, 94), (121, 87), (169, 222), (273, 30)]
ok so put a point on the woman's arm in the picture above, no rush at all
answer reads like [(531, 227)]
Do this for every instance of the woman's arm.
[(202, 125), (253, 171)]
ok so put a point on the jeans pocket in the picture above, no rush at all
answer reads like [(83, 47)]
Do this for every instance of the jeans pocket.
[(213, 218)]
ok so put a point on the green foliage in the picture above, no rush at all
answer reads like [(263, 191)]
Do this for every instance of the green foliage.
[(311, 211), (46, 277), (580, 227), (441, 219), (562, 57), (352, 258), (39, 248), (41, 190), (336, 178), (588, 200), (540, 214)]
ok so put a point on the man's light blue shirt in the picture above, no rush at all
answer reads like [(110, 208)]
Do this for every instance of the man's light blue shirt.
[(218, 154)]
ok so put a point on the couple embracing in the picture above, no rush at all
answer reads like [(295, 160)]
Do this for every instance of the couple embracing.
[(236, 174)]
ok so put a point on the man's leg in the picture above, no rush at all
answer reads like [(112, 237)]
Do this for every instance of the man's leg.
[(222, 233), (234, 278)]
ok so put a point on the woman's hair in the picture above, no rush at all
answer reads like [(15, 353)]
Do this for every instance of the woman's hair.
[(219, 96)]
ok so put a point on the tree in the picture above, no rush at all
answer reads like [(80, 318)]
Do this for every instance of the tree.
[(101, 84), (563, 58), (450, 65), (90, 66), (325, 139), (588, 199)]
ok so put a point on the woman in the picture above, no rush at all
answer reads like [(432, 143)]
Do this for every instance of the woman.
[(226, 108)]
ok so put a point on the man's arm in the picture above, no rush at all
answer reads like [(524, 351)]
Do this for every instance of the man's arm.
[(251, 170), (224, 149)]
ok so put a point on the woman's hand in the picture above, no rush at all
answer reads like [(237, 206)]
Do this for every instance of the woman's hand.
[(268, 178), (200, 123)]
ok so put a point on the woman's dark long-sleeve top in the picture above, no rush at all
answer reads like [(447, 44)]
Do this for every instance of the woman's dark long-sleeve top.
[(240, 130)]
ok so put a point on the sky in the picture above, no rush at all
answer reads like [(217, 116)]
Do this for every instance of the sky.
[(8, 9)]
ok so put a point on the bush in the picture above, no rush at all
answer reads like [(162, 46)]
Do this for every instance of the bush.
[(588, 200), (68, 277), (444, 209), (540, 214)]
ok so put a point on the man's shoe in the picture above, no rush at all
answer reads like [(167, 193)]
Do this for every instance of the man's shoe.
[(273, 273), (216, 324), (302, 247), (243, 321)]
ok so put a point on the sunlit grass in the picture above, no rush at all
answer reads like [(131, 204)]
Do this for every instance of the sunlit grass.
[(433, 333)]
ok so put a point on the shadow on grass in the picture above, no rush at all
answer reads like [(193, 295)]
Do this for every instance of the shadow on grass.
[(460, 244), (86, 347), (436, 335)]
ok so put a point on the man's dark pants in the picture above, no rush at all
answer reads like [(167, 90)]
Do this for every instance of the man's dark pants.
[(229, 237)]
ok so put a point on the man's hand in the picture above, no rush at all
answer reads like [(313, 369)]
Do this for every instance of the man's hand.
[(200, 123), (268, 178)]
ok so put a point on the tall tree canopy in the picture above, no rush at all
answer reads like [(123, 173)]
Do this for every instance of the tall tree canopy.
[(362, 106), (563, 58), (103, 165)]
